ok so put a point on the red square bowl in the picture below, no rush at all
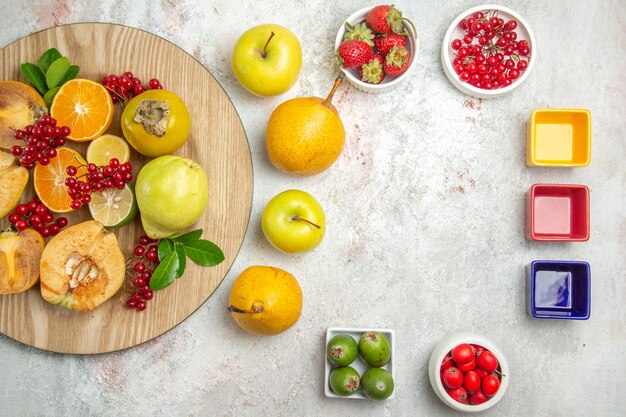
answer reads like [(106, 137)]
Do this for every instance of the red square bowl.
[(557, 212)]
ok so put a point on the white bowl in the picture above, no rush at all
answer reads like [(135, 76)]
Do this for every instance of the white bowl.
[(389, 82), (443, 348), (454, 32), (359, 365)]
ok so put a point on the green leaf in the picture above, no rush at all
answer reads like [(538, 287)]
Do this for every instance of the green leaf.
[(33, 74), (166, 247), (186, 237), (47, 98), (71, 73), (203, 252), (182, 261), (48, 58), (57, 71), (165, 273)]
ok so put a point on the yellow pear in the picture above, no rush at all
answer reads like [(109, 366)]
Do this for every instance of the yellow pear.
[(305, 135), (265, 300)]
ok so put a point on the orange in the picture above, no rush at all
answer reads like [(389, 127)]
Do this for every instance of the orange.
[(49, 180), (85, 106)]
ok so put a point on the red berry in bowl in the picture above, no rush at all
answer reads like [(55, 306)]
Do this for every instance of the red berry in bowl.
[(477, 398), (397, 61), (490, 385), (471, 381), (464, 352), (466, 367), (384, 44), (353, 53), (447, 362), (452, 378), (372, 71), (487, 361), (460, 395)]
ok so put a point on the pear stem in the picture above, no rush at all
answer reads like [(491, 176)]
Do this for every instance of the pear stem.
[(267, 43), (301, 219), (257, 307), (338, 81)]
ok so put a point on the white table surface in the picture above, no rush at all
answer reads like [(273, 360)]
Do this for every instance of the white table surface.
[(425, 227)]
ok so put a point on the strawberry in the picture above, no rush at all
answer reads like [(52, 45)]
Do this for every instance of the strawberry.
[(384, 44), (360, 32), (372, 71), (385, 19), (397, 61), (353, 53)]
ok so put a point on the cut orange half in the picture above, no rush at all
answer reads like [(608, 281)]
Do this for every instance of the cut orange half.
[(49, 180), (85, 106)]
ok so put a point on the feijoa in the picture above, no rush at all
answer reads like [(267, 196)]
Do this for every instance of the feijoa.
[(344, 380), (374, 349), (377, 384), (342, 350)]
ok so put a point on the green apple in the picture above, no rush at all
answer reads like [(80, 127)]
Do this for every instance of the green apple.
[(267, 59), (294, 222)]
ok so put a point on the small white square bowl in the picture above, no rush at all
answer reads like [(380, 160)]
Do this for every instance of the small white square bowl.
[(359, 365)]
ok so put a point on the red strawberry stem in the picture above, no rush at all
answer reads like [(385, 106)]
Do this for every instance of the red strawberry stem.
[(267, 43), (329, 98), (404, 19)]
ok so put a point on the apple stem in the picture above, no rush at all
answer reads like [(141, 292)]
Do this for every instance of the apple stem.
[(267, 43), (338, 81), (300, 219)]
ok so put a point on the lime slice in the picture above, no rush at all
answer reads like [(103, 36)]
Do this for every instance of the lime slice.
[(114, 207), (106, 147)]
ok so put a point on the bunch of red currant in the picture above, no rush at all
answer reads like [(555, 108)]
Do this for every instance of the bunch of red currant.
[(490, 56), (40, 142), (146, 253), (97, 178), (36, 215), (126, 86)]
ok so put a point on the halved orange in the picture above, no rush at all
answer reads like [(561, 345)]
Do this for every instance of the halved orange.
[(85, 106), (49, 180)]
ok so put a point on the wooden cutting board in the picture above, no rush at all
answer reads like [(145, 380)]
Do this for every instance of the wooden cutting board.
[(217, 141)]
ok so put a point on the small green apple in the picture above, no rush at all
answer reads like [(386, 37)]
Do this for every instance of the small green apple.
[(267, 59), (294, 222)]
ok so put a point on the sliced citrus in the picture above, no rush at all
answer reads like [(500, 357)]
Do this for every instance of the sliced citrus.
[(106, 147), (114, 207), (49, 180), (85, 106)]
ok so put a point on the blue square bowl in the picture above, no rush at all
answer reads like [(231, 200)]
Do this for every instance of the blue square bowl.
[(559, 290)]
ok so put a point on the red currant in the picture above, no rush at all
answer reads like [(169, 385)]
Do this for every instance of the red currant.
[(21, 225)]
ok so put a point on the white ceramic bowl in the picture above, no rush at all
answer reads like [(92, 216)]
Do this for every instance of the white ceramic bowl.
[(389, 82), (454, 32), (359, 365), (443, 348)]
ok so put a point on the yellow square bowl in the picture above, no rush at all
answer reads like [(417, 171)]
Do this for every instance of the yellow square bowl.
[(559, 138)]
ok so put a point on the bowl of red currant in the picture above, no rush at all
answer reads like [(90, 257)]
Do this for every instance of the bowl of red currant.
[(468, 372), (488, 51)]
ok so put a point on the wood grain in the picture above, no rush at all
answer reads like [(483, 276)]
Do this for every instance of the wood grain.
[(217, 141)]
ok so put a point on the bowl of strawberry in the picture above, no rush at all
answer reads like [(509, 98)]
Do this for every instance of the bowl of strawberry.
[(488, 51), (468, 372), (376, 48)]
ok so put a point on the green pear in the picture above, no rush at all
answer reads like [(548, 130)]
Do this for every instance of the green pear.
[(172, 193)]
